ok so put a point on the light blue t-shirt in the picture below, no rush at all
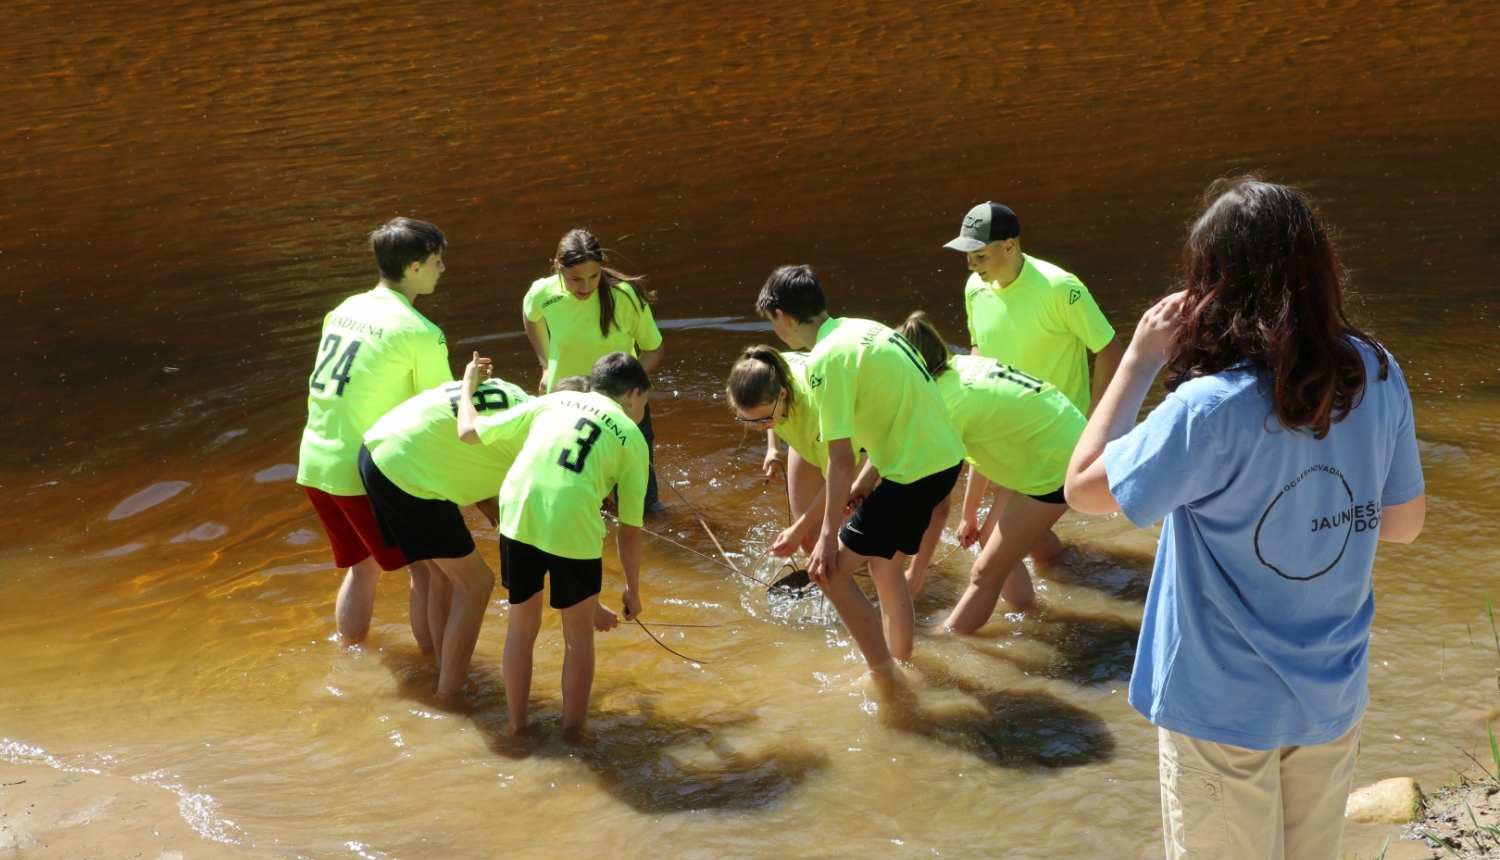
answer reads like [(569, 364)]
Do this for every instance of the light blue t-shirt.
[(1257, 623)]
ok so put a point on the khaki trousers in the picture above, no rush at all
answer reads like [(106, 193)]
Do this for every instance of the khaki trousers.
[(1222, 801)]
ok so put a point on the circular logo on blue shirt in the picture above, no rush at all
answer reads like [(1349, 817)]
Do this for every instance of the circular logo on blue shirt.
[(1305, 530)]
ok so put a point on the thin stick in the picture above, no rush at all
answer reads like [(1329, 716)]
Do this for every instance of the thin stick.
[(689, 549), (711, 536), (665, 624), (664, 645)]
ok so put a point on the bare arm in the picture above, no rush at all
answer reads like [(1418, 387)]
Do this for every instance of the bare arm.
[(466, 412), (823, 562), (773, 459), (652, 357), (628, 542), (1087, 488), (1402, 523), (1106, 362), (541, 343), (968, 518)]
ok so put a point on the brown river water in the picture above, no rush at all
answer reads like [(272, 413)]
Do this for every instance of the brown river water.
[(186, 191)]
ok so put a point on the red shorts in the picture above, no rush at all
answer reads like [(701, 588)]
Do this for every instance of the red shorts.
[(351, 527)]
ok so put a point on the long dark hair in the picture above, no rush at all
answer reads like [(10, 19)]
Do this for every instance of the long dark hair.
[(1264, 285), (756, 378), (580, 246), (921, 332)]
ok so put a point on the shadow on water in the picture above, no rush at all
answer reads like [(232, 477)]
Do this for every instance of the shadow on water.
[(1008, 728), (653, 763), (1076, 648), (1120, 574)]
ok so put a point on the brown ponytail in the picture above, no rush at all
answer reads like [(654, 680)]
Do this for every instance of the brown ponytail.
[(757, 377), (920, 331), (579, 247)]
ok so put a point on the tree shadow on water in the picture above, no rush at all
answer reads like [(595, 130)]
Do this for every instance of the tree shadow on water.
[(1009, 728), (652, 762)]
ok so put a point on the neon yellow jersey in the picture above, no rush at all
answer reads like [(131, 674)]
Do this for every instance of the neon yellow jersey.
[(575, 447), (798, 428), (416, 444), (375, 351), (1041, 325), (871, 386), (1019, 431), (573, 326)]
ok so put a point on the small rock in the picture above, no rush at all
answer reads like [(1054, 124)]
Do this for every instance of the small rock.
[(1390, 801)]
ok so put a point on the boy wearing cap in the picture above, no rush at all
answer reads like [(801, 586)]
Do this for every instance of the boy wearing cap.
[(871, 390), (375, 351), (1030, 314), (1034, 317)]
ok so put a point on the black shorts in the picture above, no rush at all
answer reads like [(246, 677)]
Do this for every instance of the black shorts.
[(895, 516), (422, 528), (1055, 497), (523, 567)]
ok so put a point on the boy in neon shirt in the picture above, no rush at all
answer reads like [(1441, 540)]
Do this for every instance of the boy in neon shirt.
[(375, 351), (1035, 317), (872, 391), (574, 447), (417, 473)]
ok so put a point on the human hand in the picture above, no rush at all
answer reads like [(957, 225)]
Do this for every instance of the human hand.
[(491, 510), (632, 604), (605, 620), (771, 466), (860, 491), (477, 370), (786, 543), (1157, 329), (968, 532), (823, 561)]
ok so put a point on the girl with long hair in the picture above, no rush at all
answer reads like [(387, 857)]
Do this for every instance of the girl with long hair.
[(1283, 452), (586, 310)]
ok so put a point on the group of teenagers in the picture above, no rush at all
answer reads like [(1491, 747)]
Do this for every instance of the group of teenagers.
[(1282, 452)]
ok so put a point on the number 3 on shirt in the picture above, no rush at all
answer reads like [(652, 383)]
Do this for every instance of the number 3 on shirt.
[(341, 367), (585, 445)]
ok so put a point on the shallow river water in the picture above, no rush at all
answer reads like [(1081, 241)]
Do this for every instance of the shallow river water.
[(187, 188)]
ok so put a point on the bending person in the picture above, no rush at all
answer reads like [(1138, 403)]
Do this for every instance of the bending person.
[(1283, 452), (768, 390), (1018, 431), (869, 384)]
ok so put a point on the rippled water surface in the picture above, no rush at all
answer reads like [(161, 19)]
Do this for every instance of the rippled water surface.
[(187, 187)]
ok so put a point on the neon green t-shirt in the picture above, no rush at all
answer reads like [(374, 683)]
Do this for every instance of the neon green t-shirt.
[(573, 326), (798, 428), (574, 448), (1041, 325), (1019, 431), (416, 444), (375, 351), (872, 387)]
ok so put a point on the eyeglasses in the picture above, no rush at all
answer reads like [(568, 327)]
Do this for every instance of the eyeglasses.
[(768, 418)]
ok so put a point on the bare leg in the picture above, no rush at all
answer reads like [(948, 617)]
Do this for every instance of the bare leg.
[(859, 615), (803, 481), (439, 603), (1048, 547), (472, 582), (416, 605), (897, 617), (916, 572), (356, 601), (578, 663), (1023, 521), (525, 623)]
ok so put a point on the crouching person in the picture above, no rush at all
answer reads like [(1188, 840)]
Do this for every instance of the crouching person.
[(574, 448)]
